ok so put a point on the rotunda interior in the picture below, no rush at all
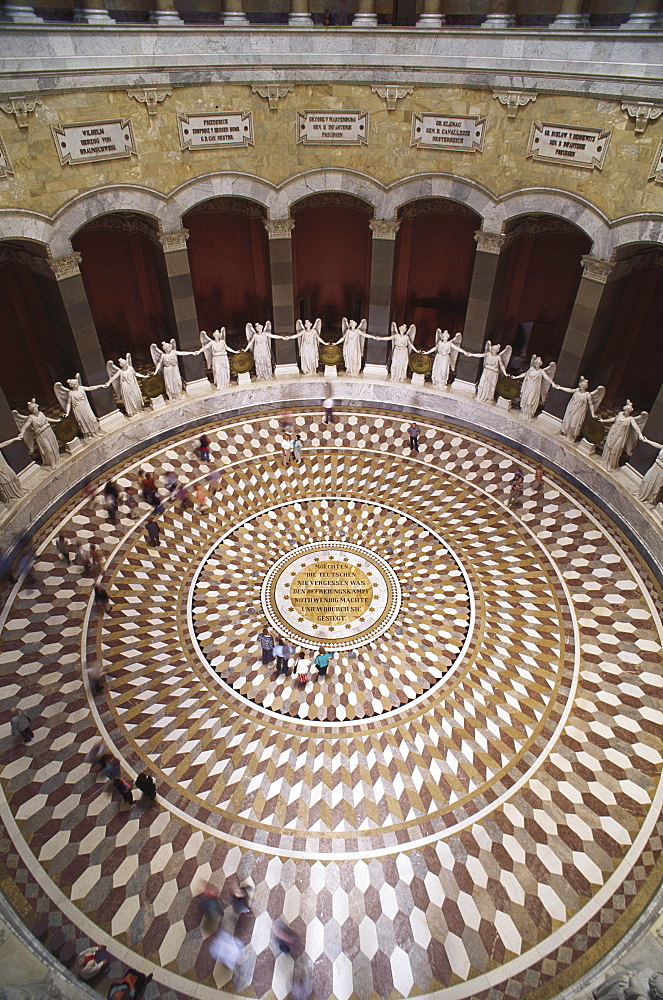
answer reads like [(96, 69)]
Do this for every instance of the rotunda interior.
[(330, 500)]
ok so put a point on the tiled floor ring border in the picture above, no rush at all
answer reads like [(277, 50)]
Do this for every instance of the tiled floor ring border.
[(359, 723)]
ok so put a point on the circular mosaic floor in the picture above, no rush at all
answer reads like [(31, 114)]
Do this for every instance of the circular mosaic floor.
[(467, 805)]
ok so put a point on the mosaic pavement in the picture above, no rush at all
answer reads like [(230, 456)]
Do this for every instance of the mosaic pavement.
[(469, 806)]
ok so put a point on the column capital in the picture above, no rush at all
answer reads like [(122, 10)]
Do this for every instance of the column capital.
[(67, 266), (596, 269), (489, 242), (384, 229), (174, 240), (279, 229)]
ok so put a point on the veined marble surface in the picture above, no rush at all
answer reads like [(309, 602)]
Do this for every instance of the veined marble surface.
[(610, 63)]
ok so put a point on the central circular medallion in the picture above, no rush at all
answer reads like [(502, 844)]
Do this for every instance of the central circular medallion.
[(336, 593)]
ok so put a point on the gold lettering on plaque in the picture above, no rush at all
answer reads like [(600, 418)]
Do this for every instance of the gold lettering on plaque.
[(331, 592)]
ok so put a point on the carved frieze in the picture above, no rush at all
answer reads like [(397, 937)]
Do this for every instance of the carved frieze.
[(332, 199), (434, 206), (384, 229), (13, 255), (279, 229), (241, 206), (174, 240), (125, 223), (67, 266)]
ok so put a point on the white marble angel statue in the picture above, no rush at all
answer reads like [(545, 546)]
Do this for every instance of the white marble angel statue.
[(125, 384), (576, 411), (216, 351), (258, 340), (536, 386), (446, 351), (73, 399), (353, 344), (165, 359), (495, 362), (652, 481), (402, 338), (624, 434), (309, 339), (10, 484), (35, 429)]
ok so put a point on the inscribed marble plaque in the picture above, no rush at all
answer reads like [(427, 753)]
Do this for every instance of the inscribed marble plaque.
[(573, 145), (5, 163), (656, 172), (337, 128), (88, 142), (218, 128), (463, 133)]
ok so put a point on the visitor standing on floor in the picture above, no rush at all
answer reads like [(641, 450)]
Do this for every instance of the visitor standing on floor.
[(538, 479), (322, 661), (283, 652), (111, 500), (517, 488), (301, 668), (414, 431), (153, 531), (328, 406), (20, 726), (145, 784), (203, 448), (124, 789), (286, 449), (266, 640), (298, 450)]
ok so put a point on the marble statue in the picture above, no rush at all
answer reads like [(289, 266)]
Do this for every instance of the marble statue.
[(535, 387), (353, 345), (494, 363), (652, 481), (624, 434), (258, 340), (125, 384), (631, 985), (446, 355), (216, 351), (10, 484), (35, 429), (402, 339), (73, 399), (576, 411), (165, 359), (309, 339)]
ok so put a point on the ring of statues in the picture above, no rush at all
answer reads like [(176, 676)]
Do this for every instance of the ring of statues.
[(624, 431)]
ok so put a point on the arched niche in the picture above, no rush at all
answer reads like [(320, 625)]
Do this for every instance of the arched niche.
[(434, 260), (628, 354), (35, 335), (126, 284), (536, 284), (229, 262), (331, 257)]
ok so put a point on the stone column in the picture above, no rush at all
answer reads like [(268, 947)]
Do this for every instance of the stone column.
[(645, 15), (165, 12), (383, 246), (577, 345), (92, 12), (299, 16), (431, 15), (184, 307), (644, 454), (93, 365), (17, 13), (365, 16), (499, 15), (234, 16), (489, 246), (570, 16), (279, 233), (17, 455)]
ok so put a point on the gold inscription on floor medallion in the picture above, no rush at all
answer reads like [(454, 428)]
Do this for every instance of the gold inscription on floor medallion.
[(331, 592)]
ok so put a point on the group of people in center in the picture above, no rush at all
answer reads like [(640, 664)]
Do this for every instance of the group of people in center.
[(278, 648)]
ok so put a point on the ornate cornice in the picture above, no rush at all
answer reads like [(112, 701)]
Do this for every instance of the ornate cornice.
[(435, 206), (384, 229), (489, 242), (67, 266), (646, 258), (534, 225), (331, 199), (240, 206), (514, 99), (596, 269), (124, 224), (279, 229), (174, 240), (12, 255)]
